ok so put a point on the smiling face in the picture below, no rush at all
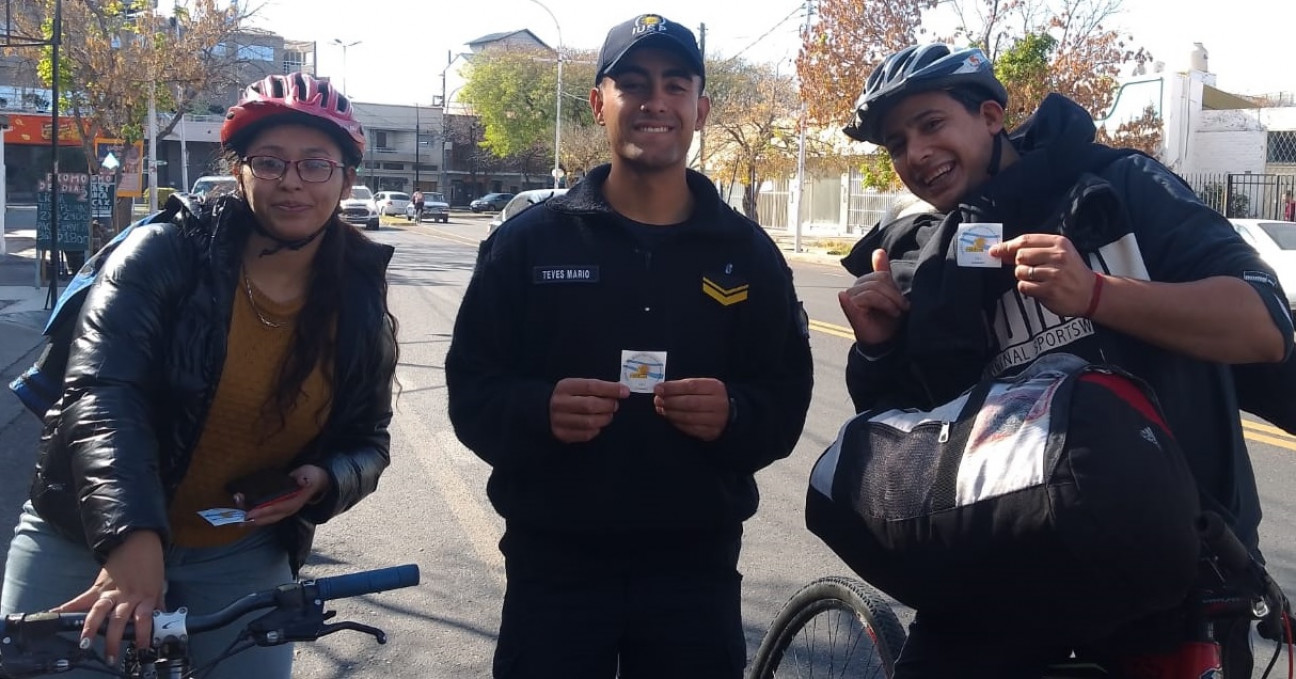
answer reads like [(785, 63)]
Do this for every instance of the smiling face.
[(651, 107), (940, 149), (289, 207)]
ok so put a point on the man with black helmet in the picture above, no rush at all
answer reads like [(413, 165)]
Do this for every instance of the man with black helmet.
[(626, 357), (1104, 253)]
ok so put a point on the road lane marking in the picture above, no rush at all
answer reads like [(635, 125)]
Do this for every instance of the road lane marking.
[(452, 237), (834, 330)]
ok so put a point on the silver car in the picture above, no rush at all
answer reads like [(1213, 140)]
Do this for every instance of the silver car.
[(435, 208)]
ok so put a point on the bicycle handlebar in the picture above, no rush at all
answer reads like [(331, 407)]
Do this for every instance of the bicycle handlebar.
[(32, 645), (367, 582)]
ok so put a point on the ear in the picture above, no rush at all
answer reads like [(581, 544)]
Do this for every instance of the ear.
[(596, 104), (993, 115), (703, 110), (348, 180)]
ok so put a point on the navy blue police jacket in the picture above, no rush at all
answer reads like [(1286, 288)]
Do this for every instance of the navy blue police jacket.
[(566, 289)]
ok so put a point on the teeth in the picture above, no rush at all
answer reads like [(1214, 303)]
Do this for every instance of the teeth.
[(939, 173)]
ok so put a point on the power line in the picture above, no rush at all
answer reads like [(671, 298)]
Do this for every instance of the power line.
[(767, 34)]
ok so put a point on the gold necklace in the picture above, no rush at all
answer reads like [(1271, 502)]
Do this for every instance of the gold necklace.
[(247, 285)]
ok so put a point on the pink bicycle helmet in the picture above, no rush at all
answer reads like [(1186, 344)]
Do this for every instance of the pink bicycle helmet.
[(311, 100)]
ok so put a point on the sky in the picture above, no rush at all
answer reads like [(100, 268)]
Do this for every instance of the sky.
[(403, 44)]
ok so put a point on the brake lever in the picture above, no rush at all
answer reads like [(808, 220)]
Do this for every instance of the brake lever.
[(378, 635)]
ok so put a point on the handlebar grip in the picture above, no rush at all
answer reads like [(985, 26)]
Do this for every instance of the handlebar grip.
[(367, 582), (1223, 543)]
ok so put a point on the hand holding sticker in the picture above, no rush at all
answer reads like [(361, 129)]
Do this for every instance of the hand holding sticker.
[(974, 241)]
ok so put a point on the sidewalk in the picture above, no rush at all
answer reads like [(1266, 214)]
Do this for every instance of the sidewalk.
[(22, 305), (825, 250)]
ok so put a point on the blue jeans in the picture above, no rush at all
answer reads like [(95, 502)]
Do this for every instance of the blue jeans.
[(44, 569)]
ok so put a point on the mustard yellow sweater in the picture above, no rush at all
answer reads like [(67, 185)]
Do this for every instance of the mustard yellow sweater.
[(242, 435)]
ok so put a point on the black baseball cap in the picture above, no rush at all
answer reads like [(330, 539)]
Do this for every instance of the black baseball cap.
[(648, 29)]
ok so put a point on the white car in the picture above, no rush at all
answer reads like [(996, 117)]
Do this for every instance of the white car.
[(435, 208), (1276, 242), (360, 208), (212, 187), (391, 202), (521, 202)]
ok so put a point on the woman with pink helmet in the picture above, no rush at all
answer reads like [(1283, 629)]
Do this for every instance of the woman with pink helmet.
[(236, 355)]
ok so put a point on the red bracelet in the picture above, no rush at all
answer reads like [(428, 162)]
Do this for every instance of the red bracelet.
[(1095, 296)]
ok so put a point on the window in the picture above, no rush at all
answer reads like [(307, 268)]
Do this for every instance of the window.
[(380, 139), (1282, 147), (293, 61), (393, 166)]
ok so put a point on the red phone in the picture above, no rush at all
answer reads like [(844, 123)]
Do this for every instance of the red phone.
[(263, 488)]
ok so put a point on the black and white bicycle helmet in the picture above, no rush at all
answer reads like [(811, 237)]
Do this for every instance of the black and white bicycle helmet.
[(921, 68)]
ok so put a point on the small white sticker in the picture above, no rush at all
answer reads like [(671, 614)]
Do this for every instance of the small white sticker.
[(223, 516), (642, 370), (974, 242)]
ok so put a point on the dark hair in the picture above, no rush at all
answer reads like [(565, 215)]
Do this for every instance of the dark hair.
[(970, 98), (314, 340)]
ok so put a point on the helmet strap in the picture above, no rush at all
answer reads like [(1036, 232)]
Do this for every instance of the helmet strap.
[(281, 244), (996, 155)]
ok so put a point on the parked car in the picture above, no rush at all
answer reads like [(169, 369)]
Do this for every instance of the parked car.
[(521, 202), (360, 208), (435, 208), (1276, 242), (211, 187), (490, 201), (391, 202)]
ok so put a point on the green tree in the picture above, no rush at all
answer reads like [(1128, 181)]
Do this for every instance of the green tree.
[(513, 91)]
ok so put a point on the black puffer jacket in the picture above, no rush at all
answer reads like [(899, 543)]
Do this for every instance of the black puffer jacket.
[(149, 349)]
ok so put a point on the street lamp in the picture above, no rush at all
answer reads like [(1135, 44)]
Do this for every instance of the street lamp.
[(557, 168), (344, 46)]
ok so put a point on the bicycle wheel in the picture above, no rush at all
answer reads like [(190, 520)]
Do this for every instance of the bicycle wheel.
[(832, 627)]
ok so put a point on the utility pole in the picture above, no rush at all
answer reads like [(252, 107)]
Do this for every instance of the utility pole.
[(702, 132), (56, 38), (417, 144), (801, 144)]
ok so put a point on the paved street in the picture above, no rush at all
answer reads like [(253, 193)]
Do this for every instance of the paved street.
[(431, 507)]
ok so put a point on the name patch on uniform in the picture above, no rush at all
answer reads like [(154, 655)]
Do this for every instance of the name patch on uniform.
[(576, 273)]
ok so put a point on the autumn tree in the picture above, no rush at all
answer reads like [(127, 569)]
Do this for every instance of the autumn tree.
[(1038, 47), (112, 53), (752, 128), (843, 44)]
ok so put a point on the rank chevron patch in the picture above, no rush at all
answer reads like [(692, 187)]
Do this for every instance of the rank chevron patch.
[(725, 296)]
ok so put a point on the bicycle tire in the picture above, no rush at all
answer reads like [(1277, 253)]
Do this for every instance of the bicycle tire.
[(845, 599)]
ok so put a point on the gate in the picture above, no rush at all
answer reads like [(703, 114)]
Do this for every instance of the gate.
[(1257, 196)]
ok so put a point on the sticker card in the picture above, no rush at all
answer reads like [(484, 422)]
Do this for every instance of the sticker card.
[(642, 370), (974, 242)]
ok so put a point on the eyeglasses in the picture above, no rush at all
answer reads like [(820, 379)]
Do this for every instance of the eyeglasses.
[(313, 170)]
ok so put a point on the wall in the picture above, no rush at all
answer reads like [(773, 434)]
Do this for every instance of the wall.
[(1227, 141)]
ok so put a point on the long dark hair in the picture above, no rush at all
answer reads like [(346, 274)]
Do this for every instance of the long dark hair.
[(314, 341)]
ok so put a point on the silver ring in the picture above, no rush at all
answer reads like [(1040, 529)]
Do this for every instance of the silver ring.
[(1030, 274)]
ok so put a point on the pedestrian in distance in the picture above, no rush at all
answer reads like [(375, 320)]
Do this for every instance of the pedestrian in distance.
[(626, 357)]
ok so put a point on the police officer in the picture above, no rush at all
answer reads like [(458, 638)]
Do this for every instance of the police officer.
[(626, 357)]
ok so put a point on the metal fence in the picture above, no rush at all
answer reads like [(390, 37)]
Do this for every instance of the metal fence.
[(1244, 196), (837, 204)]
